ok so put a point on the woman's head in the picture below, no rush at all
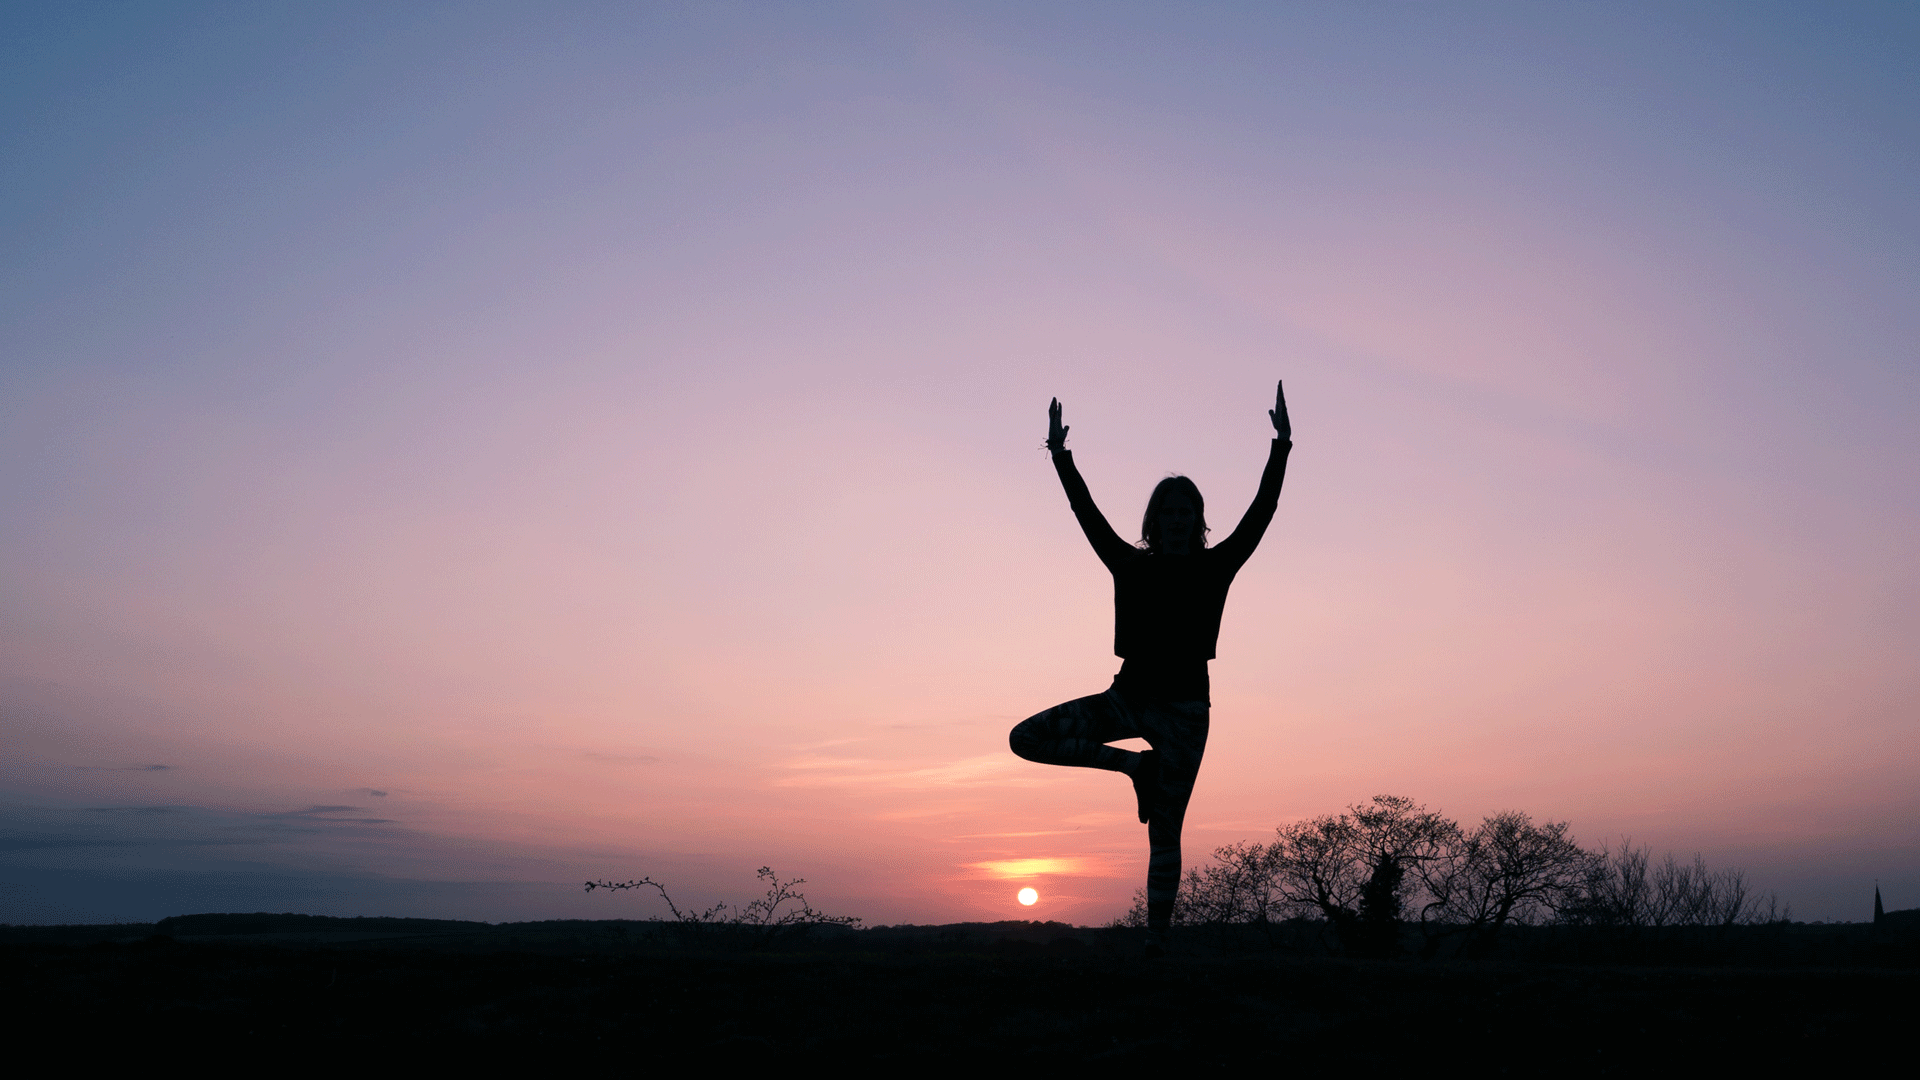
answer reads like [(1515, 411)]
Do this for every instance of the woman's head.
[(1176, 520)]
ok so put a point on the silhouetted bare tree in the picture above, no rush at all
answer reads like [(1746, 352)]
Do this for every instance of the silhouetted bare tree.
[(1353, 868), (1616, 889), (1507, 870), (1316, 866), (1624, 888), (1236, 887)]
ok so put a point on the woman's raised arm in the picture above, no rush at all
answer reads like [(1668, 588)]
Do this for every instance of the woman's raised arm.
[(1106, 543), (1246, 536)]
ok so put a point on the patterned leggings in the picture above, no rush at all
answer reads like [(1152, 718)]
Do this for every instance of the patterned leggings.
[(1077, 732)]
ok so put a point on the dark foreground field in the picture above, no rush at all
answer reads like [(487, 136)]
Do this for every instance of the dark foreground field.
[(1016, 995)]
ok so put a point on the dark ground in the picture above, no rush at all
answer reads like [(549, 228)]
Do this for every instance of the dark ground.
[(1011, 994)]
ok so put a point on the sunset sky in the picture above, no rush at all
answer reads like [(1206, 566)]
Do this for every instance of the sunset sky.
[(449, 452)]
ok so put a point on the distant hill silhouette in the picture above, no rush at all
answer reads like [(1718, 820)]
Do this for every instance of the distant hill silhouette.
[(261, 922)]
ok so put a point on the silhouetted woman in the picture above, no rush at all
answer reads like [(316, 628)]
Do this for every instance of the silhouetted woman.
[(1168, 594)]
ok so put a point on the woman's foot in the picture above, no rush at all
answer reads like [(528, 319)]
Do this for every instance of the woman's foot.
[(1146, 783)]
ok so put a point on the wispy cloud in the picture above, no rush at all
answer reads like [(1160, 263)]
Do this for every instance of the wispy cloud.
[(624, 759), (327, 814), (984, 770), (157, 828), (1012, 835), (822, 745)]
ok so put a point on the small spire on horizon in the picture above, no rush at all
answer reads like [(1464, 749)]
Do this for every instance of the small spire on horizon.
[(1878, 911)]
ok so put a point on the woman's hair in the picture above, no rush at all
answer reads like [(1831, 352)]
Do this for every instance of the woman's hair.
[(1173, 485)]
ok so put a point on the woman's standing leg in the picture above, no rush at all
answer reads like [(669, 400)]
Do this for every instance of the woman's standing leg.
[(1178, 731)]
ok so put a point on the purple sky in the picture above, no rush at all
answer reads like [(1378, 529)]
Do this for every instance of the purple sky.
[(480, 447)]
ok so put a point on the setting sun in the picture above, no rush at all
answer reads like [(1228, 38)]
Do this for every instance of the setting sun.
[(1029, 897)]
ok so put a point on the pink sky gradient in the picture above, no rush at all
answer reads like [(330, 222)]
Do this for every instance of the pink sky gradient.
[(614, 439)]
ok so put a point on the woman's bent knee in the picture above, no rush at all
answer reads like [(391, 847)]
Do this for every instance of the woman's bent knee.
[(1025, 738)]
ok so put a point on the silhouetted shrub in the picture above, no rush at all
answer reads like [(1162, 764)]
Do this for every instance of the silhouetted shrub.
[(783, 912)]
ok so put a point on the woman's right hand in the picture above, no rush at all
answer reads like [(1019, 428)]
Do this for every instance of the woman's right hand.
[(1056, 431), (1282, 423)]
